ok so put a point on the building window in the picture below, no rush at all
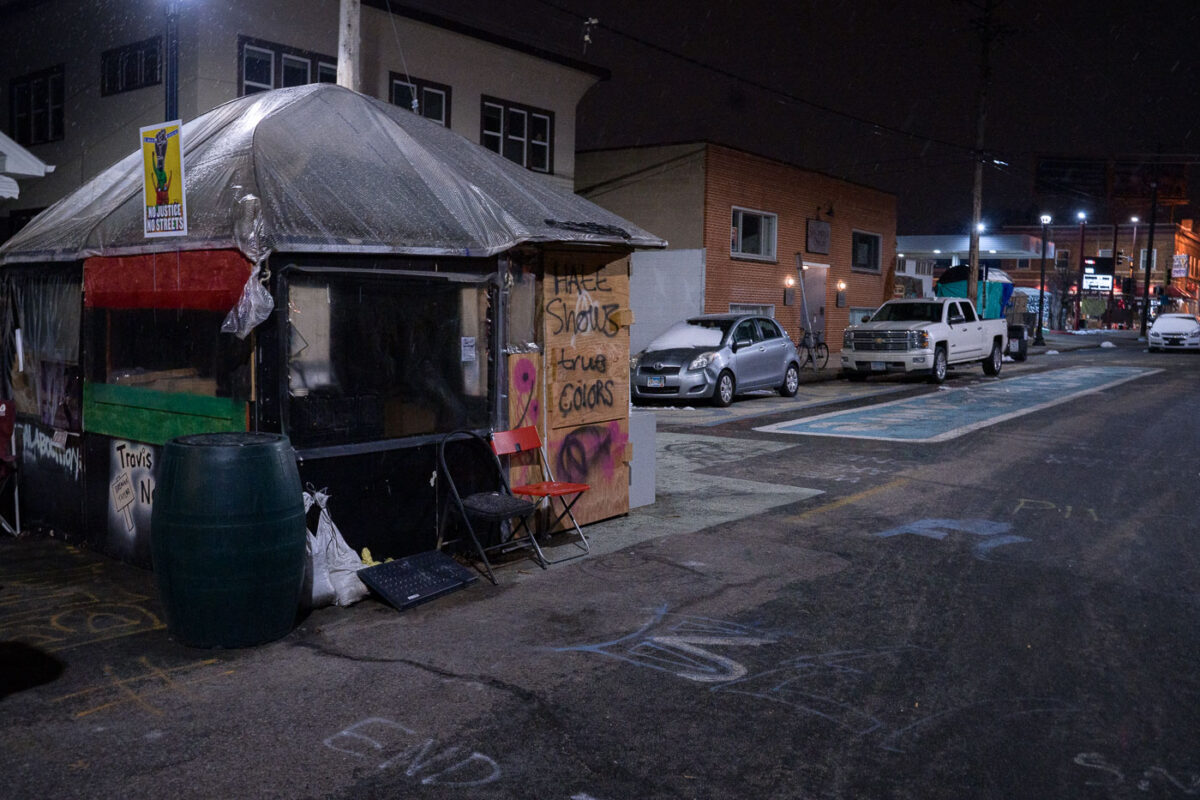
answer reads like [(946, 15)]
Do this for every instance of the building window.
[(761, 309), (433, 99), (753, 234), (297, 70), (520, 133), (134, 66), (865, 249), (266, 65), (36, 106)]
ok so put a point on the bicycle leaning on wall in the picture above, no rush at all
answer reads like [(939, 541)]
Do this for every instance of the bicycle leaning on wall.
[(813, 350)]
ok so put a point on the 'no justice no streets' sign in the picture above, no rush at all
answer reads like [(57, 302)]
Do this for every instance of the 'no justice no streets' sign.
[(162, 184)]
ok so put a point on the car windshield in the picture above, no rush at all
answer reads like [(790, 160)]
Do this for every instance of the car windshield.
[(909, 312), (692, 333), (1176, 323)]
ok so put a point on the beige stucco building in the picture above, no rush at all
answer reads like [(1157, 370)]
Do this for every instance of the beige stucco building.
[(76, 98)]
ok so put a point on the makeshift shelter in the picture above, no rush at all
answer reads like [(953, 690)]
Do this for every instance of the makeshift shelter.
[(995, 289), (419, 283)]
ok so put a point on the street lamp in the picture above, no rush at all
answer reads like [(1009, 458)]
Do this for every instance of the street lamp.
[(1079, 289), (1038, 340), (1132, 301)]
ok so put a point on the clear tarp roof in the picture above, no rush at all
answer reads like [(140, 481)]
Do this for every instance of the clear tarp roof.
[(320, 168)]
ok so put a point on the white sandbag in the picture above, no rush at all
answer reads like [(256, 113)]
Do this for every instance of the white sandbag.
[(318, 590), (343, 563)]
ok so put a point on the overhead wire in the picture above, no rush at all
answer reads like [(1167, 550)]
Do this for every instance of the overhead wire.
[(875, 125)]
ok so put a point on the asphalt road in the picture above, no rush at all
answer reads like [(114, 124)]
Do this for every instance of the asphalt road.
[(1010, 612)]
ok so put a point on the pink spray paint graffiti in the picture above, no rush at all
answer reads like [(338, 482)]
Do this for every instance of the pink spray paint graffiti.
[(591, 454), (524, 392)]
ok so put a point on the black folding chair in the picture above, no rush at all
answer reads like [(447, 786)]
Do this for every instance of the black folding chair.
[(466, 459)]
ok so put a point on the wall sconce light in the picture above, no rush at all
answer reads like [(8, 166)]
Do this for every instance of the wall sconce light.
[(789, 293), (841, 294), (789, 281)]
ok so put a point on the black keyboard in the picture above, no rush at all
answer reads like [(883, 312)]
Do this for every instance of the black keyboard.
[(408, 581)]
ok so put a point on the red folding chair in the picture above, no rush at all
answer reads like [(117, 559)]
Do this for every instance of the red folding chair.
[(8, 463), (525, 440)]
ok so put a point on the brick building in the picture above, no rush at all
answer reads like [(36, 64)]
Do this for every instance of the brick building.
[(764, 236)]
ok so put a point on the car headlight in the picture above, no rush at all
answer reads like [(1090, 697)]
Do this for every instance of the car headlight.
[(848, 340), (918, 340), (1194, 334), (702, 361), (1155, 335)]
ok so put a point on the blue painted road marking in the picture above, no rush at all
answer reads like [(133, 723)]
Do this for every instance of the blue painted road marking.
[(948, 414), (940, 528)]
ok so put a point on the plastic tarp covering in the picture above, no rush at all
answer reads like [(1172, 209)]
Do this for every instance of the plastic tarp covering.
[(993, 299), (49, 313), (320, 168)]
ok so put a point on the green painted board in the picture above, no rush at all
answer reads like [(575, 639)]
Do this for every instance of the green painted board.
[(146, 415)]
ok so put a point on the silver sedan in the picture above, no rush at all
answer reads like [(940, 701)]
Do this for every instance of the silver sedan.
[(716, 356)]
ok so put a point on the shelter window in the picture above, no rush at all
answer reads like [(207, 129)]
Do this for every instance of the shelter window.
[(36, 106), (267, 65), (522, 134), (388, 356), (134, 66), (865, 251), (753, 234), (180, 351), (433, 99)]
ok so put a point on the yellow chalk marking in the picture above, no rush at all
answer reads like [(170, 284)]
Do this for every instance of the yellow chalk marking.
[(849, 499)]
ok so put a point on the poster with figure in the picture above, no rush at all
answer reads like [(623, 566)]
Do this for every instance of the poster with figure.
[(162, 185)]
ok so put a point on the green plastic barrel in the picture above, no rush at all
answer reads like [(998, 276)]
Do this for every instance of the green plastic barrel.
[(227, 538)]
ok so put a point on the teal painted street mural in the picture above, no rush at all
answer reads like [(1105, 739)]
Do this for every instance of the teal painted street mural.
[(949, 413)]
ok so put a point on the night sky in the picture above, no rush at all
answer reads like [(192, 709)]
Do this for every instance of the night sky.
[(883, 93)]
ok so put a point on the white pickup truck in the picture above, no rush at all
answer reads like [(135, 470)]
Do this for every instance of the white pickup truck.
[(923, 336)]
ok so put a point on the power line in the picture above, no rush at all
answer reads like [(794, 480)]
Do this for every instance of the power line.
[(592, 23)]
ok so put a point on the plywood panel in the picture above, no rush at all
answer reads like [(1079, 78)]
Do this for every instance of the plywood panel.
[(598, 455), (586, 316), (585, 371)]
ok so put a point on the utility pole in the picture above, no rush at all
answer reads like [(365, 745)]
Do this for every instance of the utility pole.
[(171, 76), (1149, 254), (349, 71), (988, 33)]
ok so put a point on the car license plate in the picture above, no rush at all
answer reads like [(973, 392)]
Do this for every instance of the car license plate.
[(1174, 342), (878, 366), (656, 381)]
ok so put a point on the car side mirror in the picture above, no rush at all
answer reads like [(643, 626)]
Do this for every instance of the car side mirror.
[(957, 319), (740, 343), (866, 318)]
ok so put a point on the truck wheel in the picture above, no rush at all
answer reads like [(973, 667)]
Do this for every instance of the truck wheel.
[(723, 395), (791, 381), (938, 374), (995, 360)]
